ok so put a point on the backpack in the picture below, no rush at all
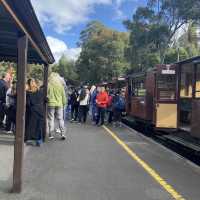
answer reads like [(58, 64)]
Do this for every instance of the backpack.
[(120, 103), (82, 95)]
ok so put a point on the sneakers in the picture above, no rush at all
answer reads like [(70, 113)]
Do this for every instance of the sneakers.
[(63, 137), (9, 132), (58, 131), (51, 137)]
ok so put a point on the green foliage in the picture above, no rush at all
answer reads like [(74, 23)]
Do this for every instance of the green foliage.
[(153, 28), (151, 39), (3, 68), (36, 72), (174, 55), (103, 53), (189, 40), (66, 68)]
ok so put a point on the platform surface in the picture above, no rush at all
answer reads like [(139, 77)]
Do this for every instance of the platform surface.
[(91, 165)]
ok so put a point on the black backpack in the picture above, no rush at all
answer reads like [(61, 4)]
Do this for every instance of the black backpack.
[(82, 95)]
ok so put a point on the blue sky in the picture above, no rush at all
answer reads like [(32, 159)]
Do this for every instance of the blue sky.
[(63, 20)]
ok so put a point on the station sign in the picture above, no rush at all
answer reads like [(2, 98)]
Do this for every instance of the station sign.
[(168, 70)]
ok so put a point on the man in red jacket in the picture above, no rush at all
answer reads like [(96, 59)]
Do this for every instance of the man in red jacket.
[(102, 102)]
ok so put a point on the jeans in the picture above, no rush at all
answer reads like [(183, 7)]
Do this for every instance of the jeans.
[(10, 117), (83, 110), (117, 115), (74, 112), (100, 115), (110, 116), (58, 113), (65, 113), (94, 113), (2, 113)]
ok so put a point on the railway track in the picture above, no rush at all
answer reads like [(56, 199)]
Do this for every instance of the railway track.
[(188, 150)]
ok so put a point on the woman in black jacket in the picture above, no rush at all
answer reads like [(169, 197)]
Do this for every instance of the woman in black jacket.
[(34, 113)]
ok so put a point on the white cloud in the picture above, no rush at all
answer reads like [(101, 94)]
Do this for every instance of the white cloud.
[(120, 2), (119, 14), (63, 14), (59, 48)]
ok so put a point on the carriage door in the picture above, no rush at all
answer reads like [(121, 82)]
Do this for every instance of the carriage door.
[(195, 125), (128, 95), (166, 98)]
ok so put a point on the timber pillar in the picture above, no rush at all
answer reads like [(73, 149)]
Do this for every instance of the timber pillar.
[(20, 116)]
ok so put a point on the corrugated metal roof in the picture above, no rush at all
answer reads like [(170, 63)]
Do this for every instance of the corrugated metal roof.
[(18, 16)]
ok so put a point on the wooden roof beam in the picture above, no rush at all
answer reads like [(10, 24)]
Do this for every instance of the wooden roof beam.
[(21, 26)]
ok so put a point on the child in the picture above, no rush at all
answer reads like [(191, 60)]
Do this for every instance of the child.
[(11, 108)]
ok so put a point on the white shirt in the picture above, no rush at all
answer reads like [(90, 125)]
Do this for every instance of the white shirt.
[(8, 99), (85, 101)]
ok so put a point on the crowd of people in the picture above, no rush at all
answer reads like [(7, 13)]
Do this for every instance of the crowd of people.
[(64, 103), (104, 106), (7, 104)]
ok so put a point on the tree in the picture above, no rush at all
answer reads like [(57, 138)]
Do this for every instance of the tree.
[(66, 68), (102, 57), (155, 26), (174, 55), (92, 28), (35, 71), (189, 40)]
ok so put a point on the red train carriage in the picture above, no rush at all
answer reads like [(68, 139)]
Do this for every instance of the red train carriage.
[(115, 84), (167, 96), (152, 96)]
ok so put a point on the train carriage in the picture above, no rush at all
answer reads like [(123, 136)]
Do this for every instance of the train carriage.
[(167, 97)]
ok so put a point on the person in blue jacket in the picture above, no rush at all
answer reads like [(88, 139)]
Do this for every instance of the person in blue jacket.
[(118, 107), (93, 94)]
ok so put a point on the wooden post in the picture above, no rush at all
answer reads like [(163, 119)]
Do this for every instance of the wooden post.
[(20, 116), (194, 79), (46, 69)]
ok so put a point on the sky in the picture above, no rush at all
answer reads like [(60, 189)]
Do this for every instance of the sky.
[(63, 20)]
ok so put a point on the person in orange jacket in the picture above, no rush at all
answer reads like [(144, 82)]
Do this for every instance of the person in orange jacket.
[(102, 102)]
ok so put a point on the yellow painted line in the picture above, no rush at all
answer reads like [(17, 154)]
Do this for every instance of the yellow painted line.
[(146, 167)]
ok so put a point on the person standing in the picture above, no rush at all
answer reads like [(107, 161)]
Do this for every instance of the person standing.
[(74, 105), (34, 117), (83, 99), (93, 103), (3, 91), (56, 102), (102, 101), (118, 107), (92, 90), (11, 103), (66, 94), (110, 107)]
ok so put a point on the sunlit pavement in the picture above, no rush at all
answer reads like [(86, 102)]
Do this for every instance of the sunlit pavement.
[(91, 165)]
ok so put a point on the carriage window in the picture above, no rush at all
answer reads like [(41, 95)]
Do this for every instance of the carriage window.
[(130, 87), (186, 81), (166, 85), (197, 92), (139, 89)]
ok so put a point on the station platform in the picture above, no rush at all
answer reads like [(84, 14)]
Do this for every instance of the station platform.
[(106, 163)]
